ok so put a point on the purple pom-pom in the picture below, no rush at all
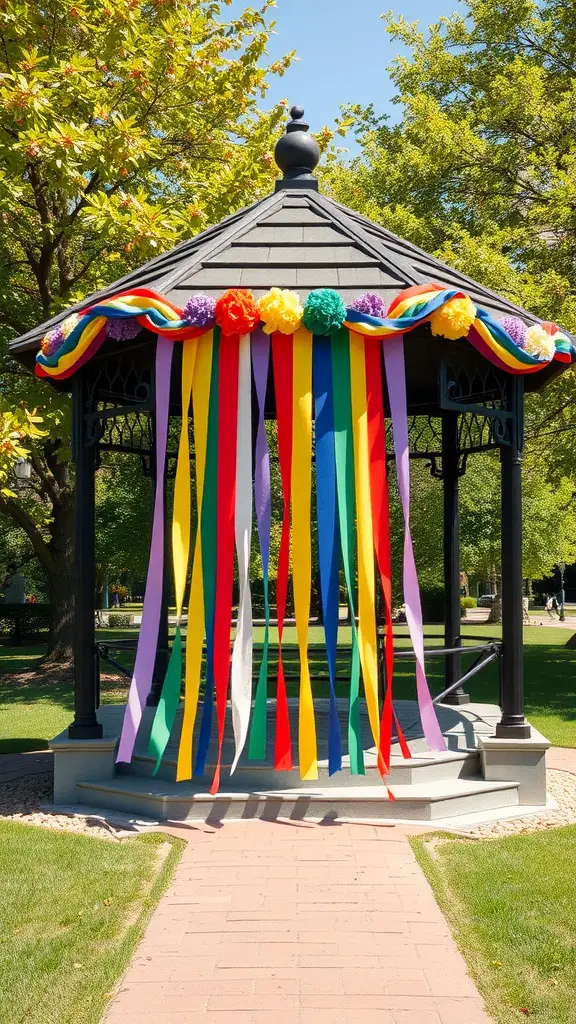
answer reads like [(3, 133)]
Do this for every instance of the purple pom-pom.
[(516, 328), (55, 340), (123, 328), (371, 304), (199, 311)]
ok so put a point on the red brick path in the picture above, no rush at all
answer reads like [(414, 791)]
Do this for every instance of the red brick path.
[(296, 923)]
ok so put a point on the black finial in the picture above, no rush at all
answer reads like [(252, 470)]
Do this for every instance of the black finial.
[(297, 154)]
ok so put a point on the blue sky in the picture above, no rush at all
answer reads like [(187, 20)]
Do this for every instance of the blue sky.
[(343, 48)]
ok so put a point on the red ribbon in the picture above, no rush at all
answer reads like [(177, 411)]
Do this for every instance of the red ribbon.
[(282, 360), (381, 528), (227, 431)]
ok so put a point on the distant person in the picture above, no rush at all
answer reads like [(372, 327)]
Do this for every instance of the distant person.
[(550, 606), (14, 586), (116, 599)]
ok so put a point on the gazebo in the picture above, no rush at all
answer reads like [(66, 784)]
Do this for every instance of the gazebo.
[(465, 395)]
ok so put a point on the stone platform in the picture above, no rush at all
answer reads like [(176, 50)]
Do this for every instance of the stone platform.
[(476, 775)]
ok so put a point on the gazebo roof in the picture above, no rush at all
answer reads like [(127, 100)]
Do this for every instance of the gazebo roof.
[(295, 238)]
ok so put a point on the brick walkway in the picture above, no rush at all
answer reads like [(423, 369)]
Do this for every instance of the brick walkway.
[(272, 923), (562, 758)]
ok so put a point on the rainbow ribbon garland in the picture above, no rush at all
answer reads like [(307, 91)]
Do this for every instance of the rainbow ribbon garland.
[(328, 385)]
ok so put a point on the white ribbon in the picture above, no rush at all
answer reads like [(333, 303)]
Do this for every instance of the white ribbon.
[(241, 684)]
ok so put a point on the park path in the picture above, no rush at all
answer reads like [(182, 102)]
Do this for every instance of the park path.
[(297, 923)]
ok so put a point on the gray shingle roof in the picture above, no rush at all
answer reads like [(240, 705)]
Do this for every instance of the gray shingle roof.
[(295, 238)]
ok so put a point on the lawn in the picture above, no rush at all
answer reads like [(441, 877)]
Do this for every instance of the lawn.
[(32, 712), (67, 934), (510, 903)]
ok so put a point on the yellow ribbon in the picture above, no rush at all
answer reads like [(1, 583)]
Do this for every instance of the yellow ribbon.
[(301, 540), (366, 584), (182, 501), (195, 634)]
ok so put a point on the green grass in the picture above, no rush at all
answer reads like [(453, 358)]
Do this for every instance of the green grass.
[(31, 713), (510, 903), (73, 909)]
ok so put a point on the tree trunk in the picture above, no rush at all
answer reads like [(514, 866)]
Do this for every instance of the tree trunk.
[(61, 582), (496, 609)]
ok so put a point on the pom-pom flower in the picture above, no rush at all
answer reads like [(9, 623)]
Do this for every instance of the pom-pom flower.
[(370, 304), (69, 324), (123, 328), (237, 312), (539, 343), (324, 311), (280, 310), (454, 319), (200, 311), (516, 328), (52, 341)]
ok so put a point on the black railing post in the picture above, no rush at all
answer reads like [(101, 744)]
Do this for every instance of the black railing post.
[(452, 612), (512, 725), (85, 724)]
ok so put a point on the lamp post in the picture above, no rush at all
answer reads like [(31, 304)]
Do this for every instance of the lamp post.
[(562, 567), (22, 471)]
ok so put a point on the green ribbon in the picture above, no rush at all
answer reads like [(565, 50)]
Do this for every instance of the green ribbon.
[(168, 704), (345, 488), (209, 500)]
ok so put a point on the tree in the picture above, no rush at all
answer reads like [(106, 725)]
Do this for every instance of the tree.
[(548, 520), (126, 126), (479, 169)]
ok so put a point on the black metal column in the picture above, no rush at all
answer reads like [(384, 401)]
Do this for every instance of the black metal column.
[(452, 612), (512, 725), (85, 724)]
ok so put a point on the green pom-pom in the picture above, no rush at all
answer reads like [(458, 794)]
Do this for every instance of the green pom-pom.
[(324, 311)]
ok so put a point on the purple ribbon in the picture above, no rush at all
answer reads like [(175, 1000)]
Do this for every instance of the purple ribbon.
[(148, 637), (393, 349), (262, 494)]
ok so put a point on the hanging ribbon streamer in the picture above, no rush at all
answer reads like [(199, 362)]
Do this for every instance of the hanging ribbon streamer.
[(366, 583), (141, 683), (283, 363), (393, 349), (344, 450), (381, 525), (225, 513), (328, 538), (195, 632), (209, 557), (302, 552), (241, 685), (170, 696), (263, 500)]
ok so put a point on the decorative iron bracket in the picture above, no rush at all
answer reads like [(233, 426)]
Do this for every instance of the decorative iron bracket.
[(453, 396)]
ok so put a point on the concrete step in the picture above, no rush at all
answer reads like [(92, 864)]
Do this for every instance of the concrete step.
[(162, 800), (249, 776)]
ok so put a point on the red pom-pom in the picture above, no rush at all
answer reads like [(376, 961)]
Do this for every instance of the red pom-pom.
[(237, 312)]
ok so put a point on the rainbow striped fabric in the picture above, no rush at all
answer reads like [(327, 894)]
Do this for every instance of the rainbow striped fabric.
[(73, 343)]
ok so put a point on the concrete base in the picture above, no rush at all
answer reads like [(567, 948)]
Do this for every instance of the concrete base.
[(81, 759), (478, 772), (519, 760)]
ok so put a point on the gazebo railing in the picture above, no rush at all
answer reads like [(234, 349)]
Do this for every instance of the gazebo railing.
[(486, 653)]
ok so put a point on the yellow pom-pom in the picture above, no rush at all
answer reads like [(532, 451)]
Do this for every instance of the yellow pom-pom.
[(280, 311), (539, 343), (69, 324), (454, 319)]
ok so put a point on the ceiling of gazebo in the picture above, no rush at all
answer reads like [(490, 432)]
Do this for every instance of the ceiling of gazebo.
[(294, 239)]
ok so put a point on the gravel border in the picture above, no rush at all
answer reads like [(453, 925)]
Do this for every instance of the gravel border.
[(20, 800)]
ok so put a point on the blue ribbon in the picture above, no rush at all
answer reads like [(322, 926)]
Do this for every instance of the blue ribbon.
[(328, 532)]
